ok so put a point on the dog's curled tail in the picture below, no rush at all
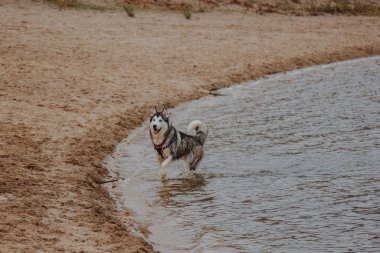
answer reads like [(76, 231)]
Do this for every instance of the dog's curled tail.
[(200, 129)]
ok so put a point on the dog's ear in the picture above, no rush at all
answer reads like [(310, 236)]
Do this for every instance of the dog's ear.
[(154, 110), (165, 112)]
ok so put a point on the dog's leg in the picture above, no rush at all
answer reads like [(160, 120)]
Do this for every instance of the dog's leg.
[(194, 164), (164, 164), (195, 159)]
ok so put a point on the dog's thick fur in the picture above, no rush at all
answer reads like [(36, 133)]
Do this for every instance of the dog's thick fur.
[(171, 144)]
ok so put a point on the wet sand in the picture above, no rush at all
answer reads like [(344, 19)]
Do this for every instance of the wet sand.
[(74, 83)]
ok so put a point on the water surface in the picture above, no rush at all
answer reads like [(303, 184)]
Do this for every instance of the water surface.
[(292, 164)]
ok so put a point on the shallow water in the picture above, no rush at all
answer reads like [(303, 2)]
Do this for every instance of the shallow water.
[(292, 164)]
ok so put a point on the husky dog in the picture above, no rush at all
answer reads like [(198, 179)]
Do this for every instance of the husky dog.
[(171, 144)]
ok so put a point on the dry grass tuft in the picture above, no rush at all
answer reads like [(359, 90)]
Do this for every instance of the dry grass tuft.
[(187, 13), (130, 10), (344, 7)]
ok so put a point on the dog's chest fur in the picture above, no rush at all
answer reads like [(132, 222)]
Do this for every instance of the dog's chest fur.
[(158, 139)]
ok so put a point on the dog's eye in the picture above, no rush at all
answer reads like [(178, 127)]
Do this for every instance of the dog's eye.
[(160, 120)]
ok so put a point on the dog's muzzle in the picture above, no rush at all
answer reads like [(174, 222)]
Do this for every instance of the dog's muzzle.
[(155, 130)]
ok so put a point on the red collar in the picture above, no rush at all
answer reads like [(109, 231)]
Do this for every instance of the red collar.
[(160, 149)]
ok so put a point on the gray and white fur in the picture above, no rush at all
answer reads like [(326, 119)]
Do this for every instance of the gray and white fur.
[(172, 144)]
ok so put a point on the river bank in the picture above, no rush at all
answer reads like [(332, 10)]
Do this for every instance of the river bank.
[(297, 152), (74, 83)]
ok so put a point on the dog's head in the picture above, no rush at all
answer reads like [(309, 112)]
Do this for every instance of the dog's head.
[(159, 122)]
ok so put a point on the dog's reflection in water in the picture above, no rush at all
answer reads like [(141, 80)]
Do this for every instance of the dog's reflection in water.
[(171, 188)]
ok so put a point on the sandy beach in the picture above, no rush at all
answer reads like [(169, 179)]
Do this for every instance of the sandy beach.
[(73, 83)]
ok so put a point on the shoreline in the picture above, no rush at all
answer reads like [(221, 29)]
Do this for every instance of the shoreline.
[(140, 229), (66, 108), (148, 198)]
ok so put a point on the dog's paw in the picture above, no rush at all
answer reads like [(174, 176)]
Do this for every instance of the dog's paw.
[(163, 173)]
